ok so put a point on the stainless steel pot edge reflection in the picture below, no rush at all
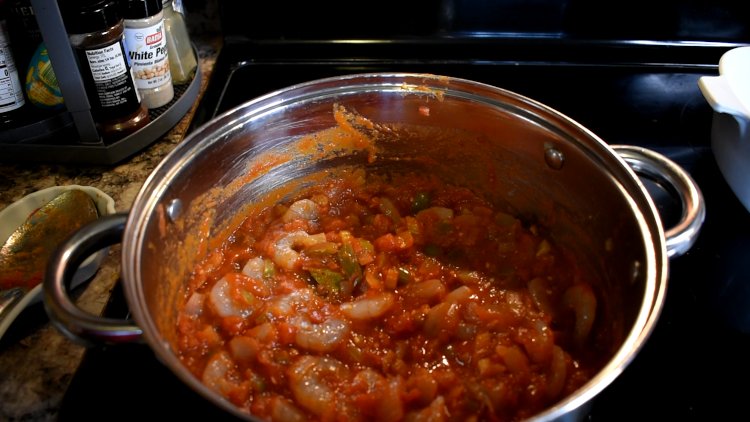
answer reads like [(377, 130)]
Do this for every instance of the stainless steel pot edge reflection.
[(152, 193), (677, 240)]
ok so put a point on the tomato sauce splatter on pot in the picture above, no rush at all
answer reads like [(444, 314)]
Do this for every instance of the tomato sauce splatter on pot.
[(374, 299)]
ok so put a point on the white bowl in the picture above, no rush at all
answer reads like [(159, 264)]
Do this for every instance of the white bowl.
[(13, 216), (729, 96)]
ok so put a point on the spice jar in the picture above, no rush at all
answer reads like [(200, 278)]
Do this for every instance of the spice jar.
[(96, 32), (11, 90), (182, 60), (144, 35), (24, 31)]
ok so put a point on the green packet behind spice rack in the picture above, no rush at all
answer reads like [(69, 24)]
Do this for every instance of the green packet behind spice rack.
[(41, 83)]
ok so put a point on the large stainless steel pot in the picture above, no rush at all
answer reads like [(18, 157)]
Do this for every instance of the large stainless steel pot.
[(521, 154)]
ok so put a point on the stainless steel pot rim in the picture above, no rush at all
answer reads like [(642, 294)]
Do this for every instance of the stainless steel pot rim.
[(155, 187)]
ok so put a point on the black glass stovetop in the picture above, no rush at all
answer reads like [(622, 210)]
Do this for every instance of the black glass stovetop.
[(694, 366)]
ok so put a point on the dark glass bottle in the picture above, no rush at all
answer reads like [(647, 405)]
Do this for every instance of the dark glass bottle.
[(13, 110), (24, 32)]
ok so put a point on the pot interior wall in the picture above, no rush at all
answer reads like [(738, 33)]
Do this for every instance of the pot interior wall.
[(482, 138)]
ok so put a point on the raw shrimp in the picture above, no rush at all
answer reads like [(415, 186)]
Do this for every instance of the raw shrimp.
[(216, 373), (435, 412), (284, 254), (254, 268), (557, 373), (304, 209), (392, 407), (369, 379), (371, 307), (235, 295), (225, 304), (441, 317), (307, 384), (541, 294), (283, 411), (516, 361), (323, 337), (287, 305), (432, 290), (194, 305), (539, 343), (581, 300), (460, 294), (387, 405)]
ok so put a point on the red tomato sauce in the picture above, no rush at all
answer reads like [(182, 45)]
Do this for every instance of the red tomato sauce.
[(385, 300)]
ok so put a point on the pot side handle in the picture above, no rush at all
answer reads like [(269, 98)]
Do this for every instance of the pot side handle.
[(661, 169), (79, 326)]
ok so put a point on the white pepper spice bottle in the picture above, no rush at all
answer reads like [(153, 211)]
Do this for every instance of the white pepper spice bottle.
[(147, 49)]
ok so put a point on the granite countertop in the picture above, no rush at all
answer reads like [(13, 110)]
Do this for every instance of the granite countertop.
[(36, 362)]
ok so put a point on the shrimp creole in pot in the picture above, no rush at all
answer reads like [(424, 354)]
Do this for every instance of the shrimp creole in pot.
[(389, 299)]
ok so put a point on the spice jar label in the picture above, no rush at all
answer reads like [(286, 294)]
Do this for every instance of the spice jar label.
[(148, 53), (112, 80), (11, 93), (106, 63)]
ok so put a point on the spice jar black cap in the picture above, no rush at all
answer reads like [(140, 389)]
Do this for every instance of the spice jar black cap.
[(82, 17), (139, 9)]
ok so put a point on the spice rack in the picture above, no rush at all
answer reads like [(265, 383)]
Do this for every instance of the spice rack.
[(71, 137)]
